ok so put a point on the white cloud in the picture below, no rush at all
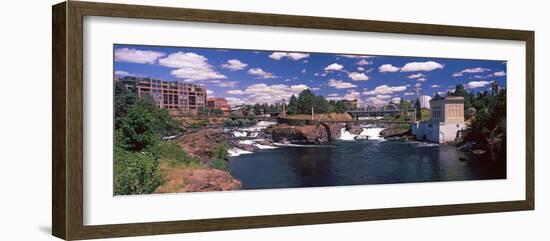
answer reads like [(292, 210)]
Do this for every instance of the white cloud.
[(435, 86), (228, 84), (260, 73), (385, 89), (234, 65), (421, 66), (209, 92), (477, 84), (196, 74), (304, 71), (315, 88), (376, 101), (190, 66), (352, 95), (417, 84), (499, 73), (421, 79), (137, 56), (293, 56), (358, 76), (234, 101), (338, 84), (408, 93), (364, 62), (388, 68), (470, 71), (235, 92), (416, 76), (396, 100), (263, 93), (360, 68), (335, 98), (334, 67), (383, 96), (122, 73), (333, 95)]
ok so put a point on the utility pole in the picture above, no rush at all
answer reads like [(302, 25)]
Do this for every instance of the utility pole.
[(284, 111), (312, 113)]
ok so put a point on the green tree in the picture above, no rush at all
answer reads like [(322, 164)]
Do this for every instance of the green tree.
[(136, 130), (320, 104), (293, 105), (418, 109), (123, 101), (306, 101)]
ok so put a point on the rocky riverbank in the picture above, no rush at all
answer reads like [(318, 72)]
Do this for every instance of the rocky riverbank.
[(196, 180)]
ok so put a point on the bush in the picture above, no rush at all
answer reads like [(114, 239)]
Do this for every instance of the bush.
[(220, 164), (199, 124), (136, 172), (172, 152), (220, 157)]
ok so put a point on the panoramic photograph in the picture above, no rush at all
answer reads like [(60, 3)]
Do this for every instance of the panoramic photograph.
[(189, 119)]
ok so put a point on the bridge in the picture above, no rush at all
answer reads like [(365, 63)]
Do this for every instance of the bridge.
[(371, 111)]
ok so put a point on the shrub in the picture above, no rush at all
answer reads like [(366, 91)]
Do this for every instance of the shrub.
[(220, 164), (199, 124), (136, 172), (172, 152), (136, 129)]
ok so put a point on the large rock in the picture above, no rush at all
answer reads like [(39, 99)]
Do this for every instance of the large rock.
[(201, 144), (310, 134), (391, 131), (197, 180)]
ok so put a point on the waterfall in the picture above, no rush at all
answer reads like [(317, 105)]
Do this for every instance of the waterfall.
[(372, 133), (368, 133), (346, 135)]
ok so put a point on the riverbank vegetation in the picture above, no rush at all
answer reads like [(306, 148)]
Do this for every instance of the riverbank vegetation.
[(486, 114), (140, 152)]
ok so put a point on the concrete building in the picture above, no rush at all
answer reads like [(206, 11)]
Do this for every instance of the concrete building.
[(171, 95), (446, 120), (424, 101), (350, 104), (218, 103)]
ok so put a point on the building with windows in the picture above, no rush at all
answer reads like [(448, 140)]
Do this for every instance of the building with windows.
[(446, 120), (171, 95), (350, 104), (218, 103), (424, 101)]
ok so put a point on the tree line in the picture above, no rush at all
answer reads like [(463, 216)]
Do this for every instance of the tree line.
[(302, 104)]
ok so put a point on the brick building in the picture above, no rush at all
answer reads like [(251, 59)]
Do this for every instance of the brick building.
[(171, 95), (218, 103)]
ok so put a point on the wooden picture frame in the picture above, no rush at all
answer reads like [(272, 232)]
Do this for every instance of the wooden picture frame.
[(67, 136)]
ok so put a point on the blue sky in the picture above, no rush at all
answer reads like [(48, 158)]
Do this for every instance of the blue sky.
[(248, 76)]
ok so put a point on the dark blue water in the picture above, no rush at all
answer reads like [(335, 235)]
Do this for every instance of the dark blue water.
[(360, 162)]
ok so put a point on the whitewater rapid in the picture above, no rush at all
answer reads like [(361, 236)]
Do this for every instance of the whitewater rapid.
[(368, 133)]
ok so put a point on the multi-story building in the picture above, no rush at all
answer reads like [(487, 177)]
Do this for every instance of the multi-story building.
[(424, 101), (171, 95), (218, 103), (446, 120)]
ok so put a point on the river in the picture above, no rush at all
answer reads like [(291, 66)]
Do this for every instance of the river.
[(359, 162)]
